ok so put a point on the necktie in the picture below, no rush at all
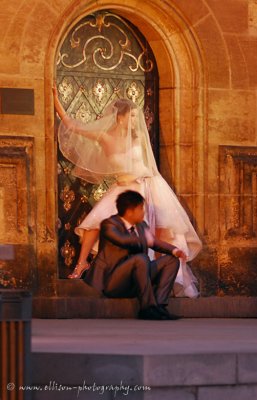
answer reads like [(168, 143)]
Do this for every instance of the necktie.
[(132, 231)]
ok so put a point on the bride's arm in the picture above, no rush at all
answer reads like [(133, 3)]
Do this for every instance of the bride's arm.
[(70, 123), (58, 107)]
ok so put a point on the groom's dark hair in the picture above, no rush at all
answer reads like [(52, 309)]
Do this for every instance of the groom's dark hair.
[(129, 199)]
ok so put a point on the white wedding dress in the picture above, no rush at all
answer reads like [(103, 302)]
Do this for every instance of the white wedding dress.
[(163, 213)]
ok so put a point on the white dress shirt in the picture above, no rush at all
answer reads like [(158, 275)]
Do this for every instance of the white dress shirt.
[(128, 225)]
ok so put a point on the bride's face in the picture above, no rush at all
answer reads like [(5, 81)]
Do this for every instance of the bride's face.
[(124, 119)]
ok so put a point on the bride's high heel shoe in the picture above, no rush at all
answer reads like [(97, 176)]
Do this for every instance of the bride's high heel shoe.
[(79, 270)]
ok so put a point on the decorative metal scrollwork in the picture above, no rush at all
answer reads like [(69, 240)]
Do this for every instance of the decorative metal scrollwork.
[(67, 226), (68, 253), (84, 114), (133, 91), (67, 196), (84, 199), (99, 192), (99, 90), (113, 45), (149, 117), (66, 90)]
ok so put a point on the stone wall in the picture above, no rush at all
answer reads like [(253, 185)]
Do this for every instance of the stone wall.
[(207, 59)]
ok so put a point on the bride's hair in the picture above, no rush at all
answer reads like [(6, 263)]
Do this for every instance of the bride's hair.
[(123, 106)]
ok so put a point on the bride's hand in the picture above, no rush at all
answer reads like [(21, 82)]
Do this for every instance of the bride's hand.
[(55, 91), (179, 254), (58, 106)]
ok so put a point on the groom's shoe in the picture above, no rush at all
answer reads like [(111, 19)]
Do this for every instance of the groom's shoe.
[(151, 313), (162, 309)]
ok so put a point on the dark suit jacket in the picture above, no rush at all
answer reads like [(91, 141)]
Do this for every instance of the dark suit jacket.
[(116, 244)]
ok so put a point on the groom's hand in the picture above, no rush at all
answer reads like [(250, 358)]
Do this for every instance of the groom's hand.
[(149, 237)]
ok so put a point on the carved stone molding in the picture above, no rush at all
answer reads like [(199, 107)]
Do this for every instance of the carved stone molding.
[(16, 188), (17, 207), (238, 193)]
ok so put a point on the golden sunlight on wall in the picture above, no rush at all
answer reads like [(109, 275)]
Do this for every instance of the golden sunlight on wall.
[(206, 51)]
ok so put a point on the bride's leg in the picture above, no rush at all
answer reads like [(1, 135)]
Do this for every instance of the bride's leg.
[(88, 240)]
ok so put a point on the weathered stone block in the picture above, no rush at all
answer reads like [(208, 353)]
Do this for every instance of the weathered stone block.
[(247, 368), (34, 46), (232, 116), (252, 17), (238, 197), (248, 46), (171, 394), (190, 370), (212, 170), (166, 73), (186, 172), (227, 392), (231, 15), (225, 104), (167, 122), (212, 218), (47, 307), (102, 369), (187, 120), (215, 307), (64, 393), (194, 11), (206, 270), (238, 274), (239, 73), (213, 51), (236, 130)]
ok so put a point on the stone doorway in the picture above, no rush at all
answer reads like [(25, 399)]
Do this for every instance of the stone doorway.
[(101, 58)]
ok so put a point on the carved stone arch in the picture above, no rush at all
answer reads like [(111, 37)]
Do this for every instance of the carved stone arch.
[(182, 98), (102, 58)]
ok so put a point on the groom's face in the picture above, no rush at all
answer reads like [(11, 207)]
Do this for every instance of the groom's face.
[(137, 213)]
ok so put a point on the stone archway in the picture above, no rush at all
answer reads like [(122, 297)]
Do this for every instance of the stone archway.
[(181, 97), (101, 58)]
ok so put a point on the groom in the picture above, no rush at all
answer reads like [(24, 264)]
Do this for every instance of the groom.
[(122, 267)]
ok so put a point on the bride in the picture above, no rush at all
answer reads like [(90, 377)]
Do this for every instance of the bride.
[(118, 145)]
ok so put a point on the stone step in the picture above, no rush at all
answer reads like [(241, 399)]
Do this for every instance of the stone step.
[(173, 377), (76, 300), (178, 360)]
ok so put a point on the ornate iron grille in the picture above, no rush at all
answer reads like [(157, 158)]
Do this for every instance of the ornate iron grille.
[(103, 57)]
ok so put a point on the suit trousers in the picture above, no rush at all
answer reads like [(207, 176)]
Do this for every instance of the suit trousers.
[(138, 276)]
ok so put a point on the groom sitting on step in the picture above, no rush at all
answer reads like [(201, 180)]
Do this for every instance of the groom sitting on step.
[(122, 267)]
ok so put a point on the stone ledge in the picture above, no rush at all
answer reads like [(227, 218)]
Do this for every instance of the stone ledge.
[(236, 392), (97, 307), (181, 377), (247, 368), (155, 371), (190, 359), (190, 370)]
